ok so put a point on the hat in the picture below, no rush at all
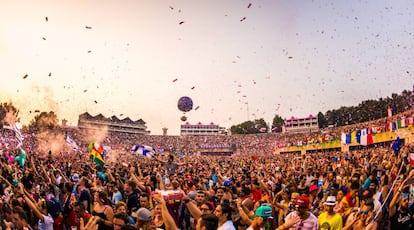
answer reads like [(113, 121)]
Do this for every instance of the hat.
[(313, 188), (264, 211), (302, 201), (75, 177), (142, 214), (331, 201)]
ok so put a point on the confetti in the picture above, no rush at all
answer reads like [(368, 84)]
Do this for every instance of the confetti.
[(172, 8), (50, 74), (47, 19), (89, 51), (290, 57), (248, 6), (193, 87), (197, 107), (44, 39), (182, 22), (95, 102), (175, 80), (25, 76), (244, 18), (88, 27), (37, 111)]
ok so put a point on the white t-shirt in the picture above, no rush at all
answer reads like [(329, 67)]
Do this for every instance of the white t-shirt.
[(228, 225), (47, 224)]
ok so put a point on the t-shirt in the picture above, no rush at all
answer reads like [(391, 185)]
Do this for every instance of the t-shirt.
[(334, 223), (171, 167), (47, 224), (84, 195), (402, 221), (311, 223), (228, 225)]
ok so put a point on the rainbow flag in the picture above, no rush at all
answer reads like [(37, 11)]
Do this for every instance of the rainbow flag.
[(96, 153)]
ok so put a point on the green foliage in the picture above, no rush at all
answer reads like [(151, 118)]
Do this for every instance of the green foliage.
[(44, 121), (8, 114), (250, 127), (277, 123)]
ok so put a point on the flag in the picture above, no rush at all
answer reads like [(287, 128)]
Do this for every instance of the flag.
[(343, 138), (71, 143), (403, 122), (366, 136), (96, 153), (348, 138), (358, 136), (19, 135), (394, 126), (410, 121), (396, 145), (144, 150), (411, 156), (399, 124), (353, 137)]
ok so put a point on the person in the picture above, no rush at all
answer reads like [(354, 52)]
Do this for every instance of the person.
[(158, 220), (19, 218), (81, 213), (330, 219), (170, 165), (119, 220), (223, 213), (207, 222), (116, 194), (102, 209), (39, 209), (207, 208), (302, 218), (121, 207), (85, 196), (143, 218), (262, 216), (400, 211), (144, 201), (131, 192), (362, 219)]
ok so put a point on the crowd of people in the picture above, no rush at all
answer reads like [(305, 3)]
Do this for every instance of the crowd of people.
[(371, 188)]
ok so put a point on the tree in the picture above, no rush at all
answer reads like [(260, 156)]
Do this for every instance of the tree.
[(44, 121), (277, 124), (8, 114), (322, 122), (250, 127)]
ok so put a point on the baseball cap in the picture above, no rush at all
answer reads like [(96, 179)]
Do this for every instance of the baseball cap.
[(331, 201), (313, 188), (142, 214), (302, 201), (264, 211), (75, 177)]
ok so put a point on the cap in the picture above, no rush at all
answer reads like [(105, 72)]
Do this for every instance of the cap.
[(331, 201), (302, 201), (264, 211), (75, 177), (313, 188), (142, 214)]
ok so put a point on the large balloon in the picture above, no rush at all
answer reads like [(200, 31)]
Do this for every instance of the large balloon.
[(185, 104)]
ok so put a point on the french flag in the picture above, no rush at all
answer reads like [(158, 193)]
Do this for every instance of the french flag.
[(144, 150)]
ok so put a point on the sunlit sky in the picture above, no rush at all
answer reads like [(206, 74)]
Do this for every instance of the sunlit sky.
[(286, 57)]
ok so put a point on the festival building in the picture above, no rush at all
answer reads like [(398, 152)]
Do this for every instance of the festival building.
[(113, 124), (200, 129), (302, 125)]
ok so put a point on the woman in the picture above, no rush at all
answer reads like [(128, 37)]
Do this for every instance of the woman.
[(158, 220), (102, 209), (121, 207)]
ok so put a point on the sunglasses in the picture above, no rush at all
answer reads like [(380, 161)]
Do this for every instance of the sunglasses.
[(364, 212)]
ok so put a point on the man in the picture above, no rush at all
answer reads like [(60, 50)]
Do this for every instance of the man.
[(19, 219), (223, 213), (85, 196), (116, 194), (362, 219), (401, 213), (120, 220), (302, 218), (330, 219), (170, 165), (144, 201), (263, 215), (200, 197), (207, 222), (131, 192), (81, 212)]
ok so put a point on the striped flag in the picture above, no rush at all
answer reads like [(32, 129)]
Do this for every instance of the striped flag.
[(19, 135), (71, 143), (96, 153), (411, 155), (144, 150)]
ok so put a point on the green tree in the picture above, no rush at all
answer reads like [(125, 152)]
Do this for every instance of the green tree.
[(277, 123), (322, 122), (44, 121)]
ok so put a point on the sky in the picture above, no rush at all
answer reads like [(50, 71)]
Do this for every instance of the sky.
[(237, 60)]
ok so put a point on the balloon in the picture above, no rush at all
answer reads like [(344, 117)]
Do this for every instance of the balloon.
[(185, 104), (11, 159), (183, 118)]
